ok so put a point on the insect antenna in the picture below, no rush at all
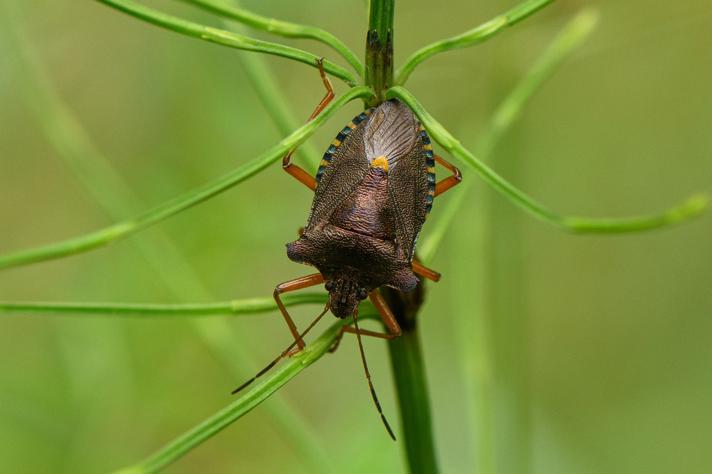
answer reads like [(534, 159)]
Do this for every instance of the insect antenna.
[(368, 378), (283, 353)]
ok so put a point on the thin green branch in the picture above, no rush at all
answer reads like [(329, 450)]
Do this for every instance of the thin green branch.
[(275, 102), (471, 37), (225, 38), (222, 419), (569, 39), (234, 307), (273, 97), (123, 229), (262, 389), (693, 207), (509, 110), (281, 28)]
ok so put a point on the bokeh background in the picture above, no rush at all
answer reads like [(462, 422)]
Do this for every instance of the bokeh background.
[(546, 352)]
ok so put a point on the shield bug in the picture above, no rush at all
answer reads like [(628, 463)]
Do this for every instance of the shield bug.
[(372, 193)]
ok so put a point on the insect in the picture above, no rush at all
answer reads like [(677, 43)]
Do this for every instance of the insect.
[(372, 193)]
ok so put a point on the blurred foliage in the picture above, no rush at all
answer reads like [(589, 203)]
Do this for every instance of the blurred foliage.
[(597, 348)]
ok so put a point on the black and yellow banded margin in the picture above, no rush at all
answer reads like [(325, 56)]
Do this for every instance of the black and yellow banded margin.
[(340, 137)]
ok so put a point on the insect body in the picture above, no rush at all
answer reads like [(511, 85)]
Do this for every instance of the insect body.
[(375, 187), (372, 193)]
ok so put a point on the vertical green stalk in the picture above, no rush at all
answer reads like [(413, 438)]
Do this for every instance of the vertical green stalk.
[(379, 49), (411, 386), (405, 351), (409, 375)]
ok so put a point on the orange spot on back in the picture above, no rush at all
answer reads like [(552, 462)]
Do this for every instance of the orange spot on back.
[(380, 162)]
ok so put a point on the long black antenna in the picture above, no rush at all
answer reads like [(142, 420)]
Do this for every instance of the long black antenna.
[(284, 352), (368, 377)]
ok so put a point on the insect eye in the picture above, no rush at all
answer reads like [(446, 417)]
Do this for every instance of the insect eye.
[(329, 285)]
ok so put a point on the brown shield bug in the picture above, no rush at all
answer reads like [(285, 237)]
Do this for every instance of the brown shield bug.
[(372, 193)]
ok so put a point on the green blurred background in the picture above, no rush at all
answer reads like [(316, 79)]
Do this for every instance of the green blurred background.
[(545, 352)]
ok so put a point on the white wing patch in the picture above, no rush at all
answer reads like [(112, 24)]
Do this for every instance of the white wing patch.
[(390, 133)]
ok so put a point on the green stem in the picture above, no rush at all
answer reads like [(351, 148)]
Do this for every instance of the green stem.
[(225, 38), (379, 49), (407, 364), (509, 110), (180, 446), (274, 99), (235, 307), (282, 28), (693, 207), (474, 36), (123, 229), (412, 389), (262, 390)]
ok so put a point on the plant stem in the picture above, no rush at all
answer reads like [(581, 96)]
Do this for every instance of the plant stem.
[(379, 49), (188, 441), (411, 385), (405, 353), (225, 38), (474, 36), (248, 400), (282, 28), (243, 306), (125, 228), (273, 98), (692, 207)]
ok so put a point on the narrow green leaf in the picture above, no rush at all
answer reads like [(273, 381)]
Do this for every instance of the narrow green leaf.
[(683, 212), (281, 28), (123, 229), (568, 40), (236, 307), (222, 419), (225, 38), (274, 99), (471, 37), (509, 110), (262, 390)]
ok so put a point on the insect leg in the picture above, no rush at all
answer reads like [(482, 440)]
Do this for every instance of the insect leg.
[(425, 272), (293, 285), (296, 171), (329, 96), (394, 329), (450, 181)]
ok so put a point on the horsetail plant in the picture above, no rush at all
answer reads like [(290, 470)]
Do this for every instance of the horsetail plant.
[(372, 82)]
